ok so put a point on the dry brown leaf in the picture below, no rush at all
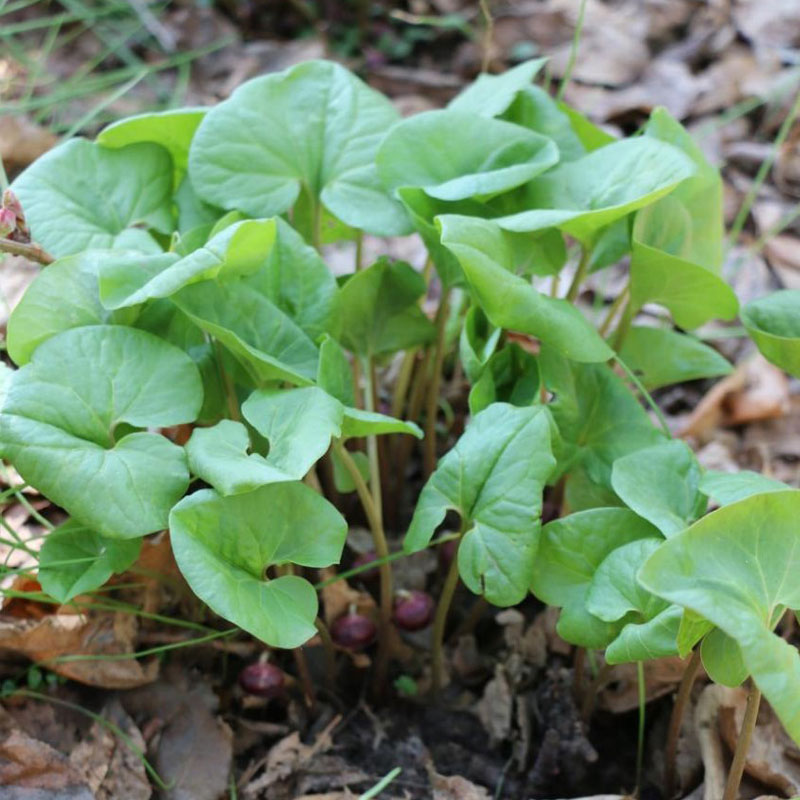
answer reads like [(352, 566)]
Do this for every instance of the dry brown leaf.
[(621, 689), (108, 765), (32, 764), (783, 254), (22, 141), (495, 707), (768, 25), (455, 787), (64, 634)]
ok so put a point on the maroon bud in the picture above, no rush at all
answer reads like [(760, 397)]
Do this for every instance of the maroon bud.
[(8, 221), (353, 631), (447, 552), (362, 561), (262, 679), (413, 610)]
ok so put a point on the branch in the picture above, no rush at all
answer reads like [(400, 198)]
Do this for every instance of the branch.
[(30, 251)]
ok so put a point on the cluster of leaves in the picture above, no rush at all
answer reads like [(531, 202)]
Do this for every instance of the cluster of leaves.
[(189, 288)]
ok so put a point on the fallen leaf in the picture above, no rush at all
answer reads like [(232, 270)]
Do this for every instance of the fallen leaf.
[(22, 141), (495, 707), (621, 687), (455, 787)]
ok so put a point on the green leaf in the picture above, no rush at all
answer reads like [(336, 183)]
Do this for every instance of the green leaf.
[(314, 126), (511, 376), (677, 242), (570, 551), (296, 279), (172, 129), (511, 302), (533, 108), (722, 659), (661, 484), (358, 423), (269, 344), (75, 560), (773, 322), (597, 416), (59, 417), (334, 374), (342, 479), (651, 624), (63, 296), (661, 357), (737, 567), (730, 487), (477, 342), (591, 136), (692, 629), (219, 455), (583, 196), (380, 306), (80, 195), (457, 155), (490, 95), (299, 424), (236, 251), (224, 545), (493, 478)]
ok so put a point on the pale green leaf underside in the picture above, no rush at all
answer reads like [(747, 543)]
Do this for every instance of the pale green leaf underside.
[(510, 301), (494, 478), (738, 568), (81, 195), (223, 545), (774, 324), (730, 487)]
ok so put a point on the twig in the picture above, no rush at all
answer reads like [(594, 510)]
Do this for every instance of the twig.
[(30, 251)]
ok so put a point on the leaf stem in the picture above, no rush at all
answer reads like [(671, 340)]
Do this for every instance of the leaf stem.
[(580, 275), (743, 743), (359, 264), (227, 383), (432, 404), (613, 310), (30, 251), (372, 441), (440, 619), (573, 53), (647, 396), (676, 720), (488, 35), (382, 551), (625, 322), (640, 737)]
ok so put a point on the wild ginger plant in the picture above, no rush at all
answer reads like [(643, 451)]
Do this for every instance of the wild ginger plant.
[(186, 285)]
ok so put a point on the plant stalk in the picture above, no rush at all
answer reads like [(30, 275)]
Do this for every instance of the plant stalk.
[(676, 720), (432, 404), (640, 735), (30, 251), (625, 322), (382, 551), (613, 310), (440, 620), (743, 744), (372, 441), (580, 275)]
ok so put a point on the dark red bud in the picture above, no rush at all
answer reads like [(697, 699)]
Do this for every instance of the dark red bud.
[(353, 631), (413, 610), (262, 679), (447, 552)]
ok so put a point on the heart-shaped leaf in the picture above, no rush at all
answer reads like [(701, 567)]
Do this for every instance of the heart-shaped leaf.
[(722, 659), (380, 306), (60, 415), (570, 551), (661, 357), (773, 322), (583, 196), (650, 623), (172, 129), (334, 373), (64, 296), (299, 424), (490, 95), (457, 155), (493, 478), (313, 128), (511, 376), (237, 250), (730, 487), (511, 302), (219, 455), (75, 560), (737, 567), (81, 195), (661, 484), (358, 423), (224, 545)]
